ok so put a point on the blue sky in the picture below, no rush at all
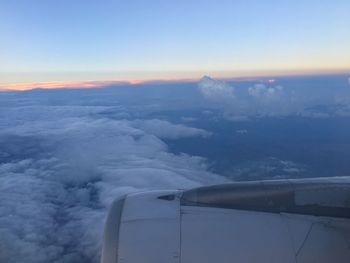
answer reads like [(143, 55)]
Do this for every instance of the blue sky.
[(109, 40)]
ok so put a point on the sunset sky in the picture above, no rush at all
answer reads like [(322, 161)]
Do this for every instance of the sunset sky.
[(82, 41)]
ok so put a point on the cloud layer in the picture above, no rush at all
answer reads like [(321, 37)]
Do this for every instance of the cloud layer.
[(65, 155), (63, 165)]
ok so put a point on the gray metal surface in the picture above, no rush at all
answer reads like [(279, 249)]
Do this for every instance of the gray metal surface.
[(111, 233), (227, 235), (321, 197), (150, 229)]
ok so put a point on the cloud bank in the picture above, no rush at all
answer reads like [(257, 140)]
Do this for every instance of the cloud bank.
[(269, 98), (61, 167)]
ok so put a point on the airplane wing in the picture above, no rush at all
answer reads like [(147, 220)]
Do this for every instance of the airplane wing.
[(289, 221)]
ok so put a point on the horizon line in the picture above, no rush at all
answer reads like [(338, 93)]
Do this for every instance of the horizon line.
[(90, 84)]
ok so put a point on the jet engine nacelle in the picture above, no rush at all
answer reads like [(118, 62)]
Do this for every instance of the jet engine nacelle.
[(269, 222)]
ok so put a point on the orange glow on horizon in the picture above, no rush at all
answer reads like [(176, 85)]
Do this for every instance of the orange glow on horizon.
[(63, 85), (77, 84)]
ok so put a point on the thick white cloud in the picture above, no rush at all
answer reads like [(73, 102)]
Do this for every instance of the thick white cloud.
[(271, 99), (221, 95), (215, 90), (64, 166), (261, 91), (261, 99), (167, 130)]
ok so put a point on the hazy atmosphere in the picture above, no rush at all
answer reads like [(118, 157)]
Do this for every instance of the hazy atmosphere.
[(99, 99)]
